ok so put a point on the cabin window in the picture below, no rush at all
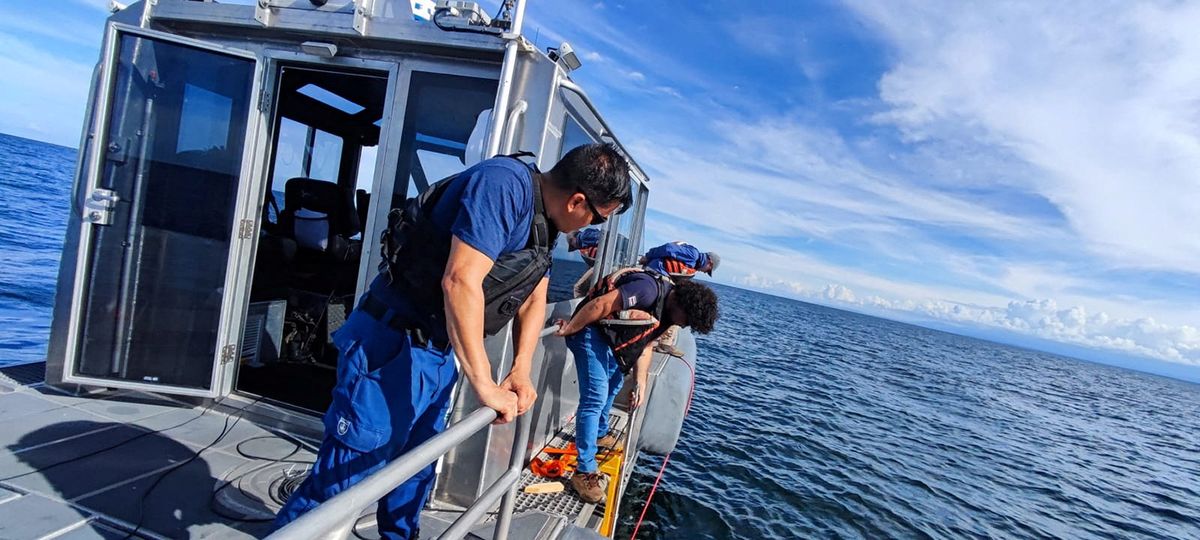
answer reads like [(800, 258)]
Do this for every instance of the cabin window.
[(303, 151), (573, 136), (326, 156), (626, 252), (366, 169), (442, 113), (436, 165), (569, 266), (637, 214), (204, 120)]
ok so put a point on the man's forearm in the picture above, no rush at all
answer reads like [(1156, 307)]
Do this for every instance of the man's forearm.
[(590, 313), (464, 323), (527, 326), (642, 372)]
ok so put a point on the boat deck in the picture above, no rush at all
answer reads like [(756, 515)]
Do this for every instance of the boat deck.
[(566, 503), (104, 465)]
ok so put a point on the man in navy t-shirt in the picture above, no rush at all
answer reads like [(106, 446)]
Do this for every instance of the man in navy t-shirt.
[(396, 363), (638, 295)]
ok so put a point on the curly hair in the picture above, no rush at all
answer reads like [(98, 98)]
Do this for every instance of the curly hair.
[(699, 303)]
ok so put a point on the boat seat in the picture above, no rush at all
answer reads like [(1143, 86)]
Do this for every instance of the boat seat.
[(316, 212), (362, 201), (320, 217)]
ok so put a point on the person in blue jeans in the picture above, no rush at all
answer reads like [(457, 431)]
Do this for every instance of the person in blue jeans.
[(397, 349), (607, 341), (586, 242)]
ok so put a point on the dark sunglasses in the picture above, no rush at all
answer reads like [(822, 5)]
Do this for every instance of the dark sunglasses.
[(597, 217)]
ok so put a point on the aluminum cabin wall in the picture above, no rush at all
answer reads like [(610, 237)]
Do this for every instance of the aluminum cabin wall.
[(475, 464)]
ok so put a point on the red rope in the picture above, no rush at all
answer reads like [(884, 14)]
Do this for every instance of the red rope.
[(686, 409), (650, 496)]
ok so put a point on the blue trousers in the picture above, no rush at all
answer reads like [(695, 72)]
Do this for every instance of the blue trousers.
[(390, 397), (600, 379)]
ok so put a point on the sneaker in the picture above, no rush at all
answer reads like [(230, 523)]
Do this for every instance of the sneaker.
[(668, 349), (607, 442), (591, 487)]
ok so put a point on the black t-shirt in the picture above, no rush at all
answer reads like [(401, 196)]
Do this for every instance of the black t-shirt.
[(638, 291)]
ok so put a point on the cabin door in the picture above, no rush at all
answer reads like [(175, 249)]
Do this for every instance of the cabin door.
[(166, 178)]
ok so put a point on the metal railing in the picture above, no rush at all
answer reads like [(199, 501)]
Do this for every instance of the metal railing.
[(565, 84), (336, 517)]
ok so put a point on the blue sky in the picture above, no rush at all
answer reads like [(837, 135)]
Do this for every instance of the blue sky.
[(1021, 169)]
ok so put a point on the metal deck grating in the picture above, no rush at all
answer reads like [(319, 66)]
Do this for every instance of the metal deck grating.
[(24, 374), (564, 503)]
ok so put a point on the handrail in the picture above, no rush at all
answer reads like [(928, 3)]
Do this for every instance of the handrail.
[(336, 517), (510, 132), (504, 86), (505, 486), (331, 516)]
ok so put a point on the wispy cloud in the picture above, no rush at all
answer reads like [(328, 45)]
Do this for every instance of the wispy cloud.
[(65, 29), (1043, 319), (95, 5), (1100, 98)]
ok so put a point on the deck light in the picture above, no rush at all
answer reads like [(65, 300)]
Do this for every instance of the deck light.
[(566, 56), (319, 48)]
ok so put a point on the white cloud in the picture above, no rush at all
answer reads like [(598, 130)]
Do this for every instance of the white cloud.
[(1100, 98), (599, 33), (82, 32), (980, 110), (96, 5), (1038, 318)]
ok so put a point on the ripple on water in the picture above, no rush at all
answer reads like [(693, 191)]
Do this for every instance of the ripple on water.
[(847, 426)]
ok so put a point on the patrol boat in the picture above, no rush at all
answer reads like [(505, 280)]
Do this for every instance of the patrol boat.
[(237, 164)]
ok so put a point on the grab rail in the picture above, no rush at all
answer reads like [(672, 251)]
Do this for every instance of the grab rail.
[(570, 86), (329, 519)]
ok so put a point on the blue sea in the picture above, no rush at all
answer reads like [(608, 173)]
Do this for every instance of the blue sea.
[(35, 195), (810, 422)]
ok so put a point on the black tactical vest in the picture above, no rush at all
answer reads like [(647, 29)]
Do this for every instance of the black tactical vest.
[(415, 253)]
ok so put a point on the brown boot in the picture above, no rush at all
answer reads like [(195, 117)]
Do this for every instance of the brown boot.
[(591, 487), (607, 442), (668, 349)]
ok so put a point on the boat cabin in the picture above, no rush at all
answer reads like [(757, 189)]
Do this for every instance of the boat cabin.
[(237, 165)]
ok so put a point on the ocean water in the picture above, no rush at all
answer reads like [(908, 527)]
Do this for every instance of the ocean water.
[(35, 194), (810, 422)]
